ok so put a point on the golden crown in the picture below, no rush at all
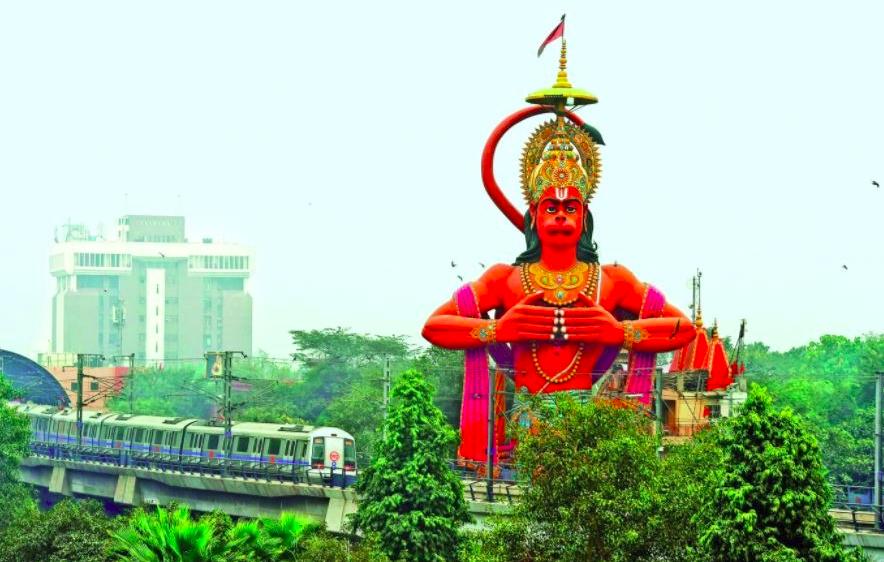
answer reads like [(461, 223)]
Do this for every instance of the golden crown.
[(559, 154)]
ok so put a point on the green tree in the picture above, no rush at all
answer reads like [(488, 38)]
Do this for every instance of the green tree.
[(830, 383), (269, 540), (688, 474), (333, 361), (413, 504), (167, 535), (71, 530), (16, 504), (179, 391), (14, 434), (594, 476), (772, 501), (444, 370)]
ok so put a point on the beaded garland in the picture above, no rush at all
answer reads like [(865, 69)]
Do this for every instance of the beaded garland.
[(568, 371), (559, 289)]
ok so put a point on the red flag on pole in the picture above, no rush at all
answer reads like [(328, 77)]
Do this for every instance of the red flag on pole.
[(559, 31)]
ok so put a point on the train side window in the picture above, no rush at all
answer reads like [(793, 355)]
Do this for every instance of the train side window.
[(213, 442), (273, 446)]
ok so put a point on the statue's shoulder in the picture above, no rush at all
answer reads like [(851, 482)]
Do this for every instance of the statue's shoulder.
[(619, 273), (498, 272)]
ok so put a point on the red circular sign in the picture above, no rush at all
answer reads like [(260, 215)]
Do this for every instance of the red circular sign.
[(334, 456)]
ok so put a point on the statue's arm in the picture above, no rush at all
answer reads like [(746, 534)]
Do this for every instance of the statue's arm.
[(446, 328), (671, 330)]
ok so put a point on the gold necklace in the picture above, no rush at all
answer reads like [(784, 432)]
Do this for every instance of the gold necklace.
[(560, 288)]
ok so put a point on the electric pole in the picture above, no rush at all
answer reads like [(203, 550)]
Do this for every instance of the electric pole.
[(81, 375), (386, 383), (227, 396), (228, 406), (489, 460), (130, 380), (658, 403), (877, 499)]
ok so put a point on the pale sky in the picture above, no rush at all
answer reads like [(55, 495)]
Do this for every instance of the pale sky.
[(342, 142)]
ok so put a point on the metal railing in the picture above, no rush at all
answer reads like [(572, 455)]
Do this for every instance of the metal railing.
[(296, 473)]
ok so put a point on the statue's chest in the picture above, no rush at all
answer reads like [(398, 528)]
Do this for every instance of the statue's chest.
[(559, 288)]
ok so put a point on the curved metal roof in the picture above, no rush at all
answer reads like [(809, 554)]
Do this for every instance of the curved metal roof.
[(34, 382)]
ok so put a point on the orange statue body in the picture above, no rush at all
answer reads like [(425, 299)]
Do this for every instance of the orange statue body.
[(559, 316)]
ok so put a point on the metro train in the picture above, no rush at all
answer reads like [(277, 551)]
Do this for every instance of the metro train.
[(297, 453)]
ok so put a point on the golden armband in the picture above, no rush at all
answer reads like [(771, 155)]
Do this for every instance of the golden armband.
[(632, 334), (486, 333)]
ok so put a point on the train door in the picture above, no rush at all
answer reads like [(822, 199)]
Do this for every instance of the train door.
[(194, 447), (173, 442), (156, 442), (121, 443), (274, 450), (212, 447)]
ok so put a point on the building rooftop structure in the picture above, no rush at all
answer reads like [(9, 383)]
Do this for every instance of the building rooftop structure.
[(33, 382), (150, 292)]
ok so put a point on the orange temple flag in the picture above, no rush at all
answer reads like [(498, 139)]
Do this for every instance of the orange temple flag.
[(559, 31)]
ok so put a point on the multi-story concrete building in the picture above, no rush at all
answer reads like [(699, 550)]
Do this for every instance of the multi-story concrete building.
[(150, 292)]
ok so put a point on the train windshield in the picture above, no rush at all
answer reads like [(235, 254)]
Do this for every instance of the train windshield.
[(349, 455), (317, 456)]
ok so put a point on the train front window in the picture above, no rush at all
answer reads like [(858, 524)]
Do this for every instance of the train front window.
[(349, 454), (317, 457)]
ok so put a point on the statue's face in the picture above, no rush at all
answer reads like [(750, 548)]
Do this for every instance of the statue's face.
[(558, 217)]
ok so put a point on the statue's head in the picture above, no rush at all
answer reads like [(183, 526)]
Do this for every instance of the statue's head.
[(558, 217), (558, 191)]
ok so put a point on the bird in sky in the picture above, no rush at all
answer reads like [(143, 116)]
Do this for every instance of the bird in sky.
[(453, 264), (876, 184), (844, 267)]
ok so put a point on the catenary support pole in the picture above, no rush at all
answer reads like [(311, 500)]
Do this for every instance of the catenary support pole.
[(489, 468), (80, 360), (658, 400), (877, 499), (386, 383)]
